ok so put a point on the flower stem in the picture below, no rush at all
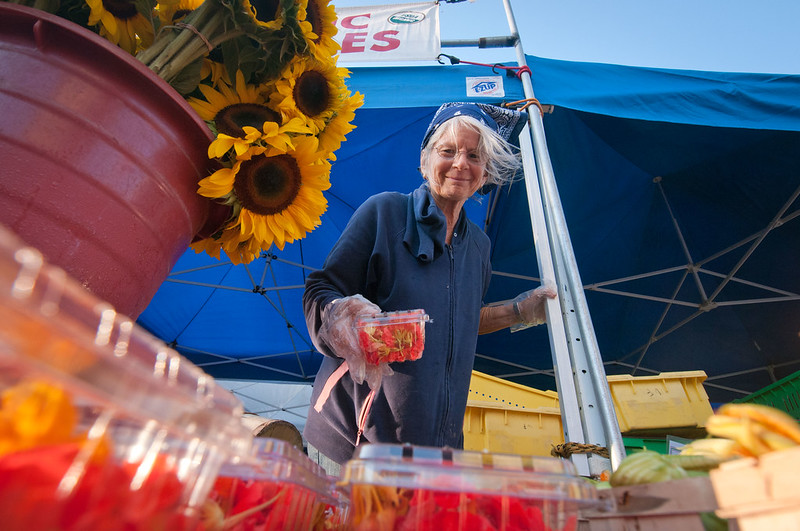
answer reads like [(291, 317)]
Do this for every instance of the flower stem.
[(169, 54)]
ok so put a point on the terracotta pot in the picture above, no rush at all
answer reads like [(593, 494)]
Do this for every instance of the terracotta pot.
[(100, 158)]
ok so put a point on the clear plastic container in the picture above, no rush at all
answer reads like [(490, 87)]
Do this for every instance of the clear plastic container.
[(337, 511), (277, 487), (392, 336), (90, 431), (419, 488)]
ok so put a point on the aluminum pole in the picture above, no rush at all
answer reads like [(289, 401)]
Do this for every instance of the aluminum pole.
[(568, 400), (558, 234)]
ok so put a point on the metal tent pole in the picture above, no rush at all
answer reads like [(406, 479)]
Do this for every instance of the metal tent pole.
[(587, 409)]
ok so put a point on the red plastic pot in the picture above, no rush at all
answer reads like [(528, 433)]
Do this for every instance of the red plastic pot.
[(100, 158)]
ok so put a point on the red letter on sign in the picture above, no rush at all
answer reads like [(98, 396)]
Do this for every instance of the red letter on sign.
[(383, 36), (347, 22), (351, 40)]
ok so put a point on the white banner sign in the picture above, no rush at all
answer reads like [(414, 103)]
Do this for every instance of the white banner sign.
[(399, 32)]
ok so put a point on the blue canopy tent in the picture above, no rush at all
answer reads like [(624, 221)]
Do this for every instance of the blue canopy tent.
[(679, 189)]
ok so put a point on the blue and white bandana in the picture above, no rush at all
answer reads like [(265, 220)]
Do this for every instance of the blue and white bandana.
[(505, 122)]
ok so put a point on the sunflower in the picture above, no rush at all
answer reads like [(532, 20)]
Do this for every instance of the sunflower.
[(311, 89), (316, 19), (279, 194), (255, 142), (219, 184), (331, 138), (240, 250), (230, 109), (121, 23), (172, 11), (243, 148), (215, 72), (211, 246), (270, 14)]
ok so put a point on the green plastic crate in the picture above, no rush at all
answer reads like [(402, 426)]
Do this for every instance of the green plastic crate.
[(783, 394), (635, 444)]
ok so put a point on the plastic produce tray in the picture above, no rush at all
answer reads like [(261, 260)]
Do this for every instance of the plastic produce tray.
[(419, 488), (100, 423)]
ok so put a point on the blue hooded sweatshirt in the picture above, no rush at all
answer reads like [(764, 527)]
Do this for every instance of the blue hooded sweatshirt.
[(393, 252)]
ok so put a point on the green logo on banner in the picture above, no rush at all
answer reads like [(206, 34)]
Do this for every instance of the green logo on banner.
[(407, 17)]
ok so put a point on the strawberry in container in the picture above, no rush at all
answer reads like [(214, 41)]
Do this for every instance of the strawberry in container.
[(392, 336), (277, 487)]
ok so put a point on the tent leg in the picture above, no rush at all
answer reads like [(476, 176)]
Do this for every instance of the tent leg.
[(585, 399)]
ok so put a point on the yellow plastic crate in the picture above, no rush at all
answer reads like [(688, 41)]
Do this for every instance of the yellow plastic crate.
[(668, 400), (672, 403), (511, 430), (492, 390)]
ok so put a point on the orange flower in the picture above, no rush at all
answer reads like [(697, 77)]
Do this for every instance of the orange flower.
[(35, 413)]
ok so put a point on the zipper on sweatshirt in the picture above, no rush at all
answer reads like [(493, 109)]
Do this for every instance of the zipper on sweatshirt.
[(450, 331)]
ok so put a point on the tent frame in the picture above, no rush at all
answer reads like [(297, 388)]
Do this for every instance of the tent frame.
[(577, 366), (587, 410)]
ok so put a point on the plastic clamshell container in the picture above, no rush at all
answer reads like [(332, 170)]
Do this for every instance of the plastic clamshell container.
[(337, 512), (392, 336), (90, 434), (420, 488), (277, 487)]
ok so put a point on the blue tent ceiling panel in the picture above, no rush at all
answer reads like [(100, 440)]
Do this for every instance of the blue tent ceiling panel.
[(679, 189)]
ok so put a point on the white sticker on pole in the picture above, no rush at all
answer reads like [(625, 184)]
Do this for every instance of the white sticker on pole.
[(399, 32), (485, 87)]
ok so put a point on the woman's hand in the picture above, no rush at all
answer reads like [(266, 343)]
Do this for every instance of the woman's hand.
[(529, 306), (338, 331)]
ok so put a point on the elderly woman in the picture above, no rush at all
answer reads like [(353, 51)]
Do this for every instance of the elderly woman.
[(409, 251)]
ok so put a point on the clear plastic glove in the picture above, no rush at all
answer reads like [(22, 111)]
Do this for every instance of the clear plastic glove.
[(338, 331), (531, 306)]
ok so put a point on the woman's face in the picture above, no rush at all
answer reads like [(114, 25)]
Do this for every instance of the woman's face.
[(456, 170)]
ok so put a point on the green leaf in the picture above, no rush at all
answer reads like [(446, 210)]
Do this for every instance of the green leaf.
[(188, 79), (145, 8), (712, 522)]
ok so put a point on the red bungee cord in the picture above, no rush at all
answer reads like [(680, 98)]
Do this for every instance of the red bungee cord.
[(510, 70)]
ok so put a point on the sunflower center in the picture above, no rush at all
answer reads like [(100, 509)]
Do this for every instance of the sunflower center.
[(180, 14), (267, 185), (232, 119), (266, 10), (121, 9), (311, 93), (314, 18)]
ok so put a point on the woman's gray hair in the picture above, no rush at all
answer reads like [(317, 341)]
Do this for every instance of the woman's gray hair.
[(502, 159)]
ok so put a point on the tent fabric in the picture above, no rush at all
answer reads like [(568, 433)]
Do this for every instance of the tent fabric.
[(679, 189), (719, 99)]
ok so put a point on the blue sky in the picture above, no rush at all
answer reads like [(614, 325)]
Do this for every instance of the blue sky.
[(717, 35)]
